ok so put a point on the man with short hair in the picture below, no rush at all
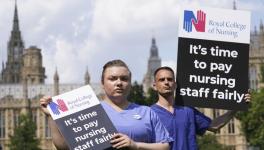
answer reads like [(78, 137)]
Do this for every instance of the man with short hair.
[(183, 123)]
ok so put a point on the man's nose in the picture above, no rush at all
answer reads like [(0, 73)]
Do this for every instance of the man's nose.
[(166, 81), (118, 81)]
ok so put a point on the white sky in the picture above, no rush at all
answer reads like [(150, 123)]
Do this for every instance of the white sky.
[(76, 34)]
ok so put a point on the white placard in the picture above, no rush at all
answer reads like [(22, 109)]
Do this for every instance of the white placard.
[(215, 24), (72, 102)]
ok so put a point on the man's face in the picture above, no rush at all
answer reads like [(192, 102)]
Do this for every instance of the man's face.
[(117, 82), (164, 83)]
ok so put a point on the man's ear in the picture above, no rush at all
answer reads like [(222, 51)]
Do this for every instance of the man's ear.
[(154, 86)]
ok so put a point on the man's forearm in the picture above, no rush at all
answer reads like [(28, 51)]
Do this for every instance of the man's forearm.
[(221, 121), (152, 146)]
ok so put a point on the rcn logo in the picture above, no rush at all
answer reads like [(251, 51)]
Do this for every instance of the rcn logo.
[(198, 22), (56, 107)]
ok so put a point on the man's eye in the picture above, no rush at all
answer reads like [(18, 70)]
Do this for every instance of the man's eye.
[(125, 78), (170, 79), (162, 79)]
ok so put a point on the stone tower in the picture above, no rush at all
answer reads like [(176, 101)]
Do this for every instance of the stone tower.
[(231, 134), (256, 58), (32, 69), (11, 72), (234, 5), (154, 62), (56, 83), (87, 77)]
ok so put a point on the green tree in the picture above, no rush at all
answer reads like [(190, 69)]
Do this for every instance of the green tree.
[(152, 97), (24, 135), (262, 72), (252, 121), (209, 142), (136, 94)]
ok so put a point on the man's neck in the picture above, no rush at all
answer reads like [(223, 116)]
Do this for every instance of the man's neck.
[(166, 103)]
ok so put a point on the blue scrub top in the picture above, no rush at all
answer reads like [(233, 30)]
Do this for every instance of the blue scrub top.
[(140, 123), (183, 125)]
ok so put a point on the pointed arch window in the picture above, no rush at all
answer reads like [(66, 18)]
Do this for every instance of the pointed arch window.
[(2, 124), (231, 126)]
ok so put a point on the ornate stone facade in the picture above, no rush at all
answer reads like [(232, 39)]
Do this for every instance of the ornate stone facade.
[(256, 58), (13, 102), (154, 62), (22, 84), (32, 69), (11, 71), (231, 134), (22, 80)]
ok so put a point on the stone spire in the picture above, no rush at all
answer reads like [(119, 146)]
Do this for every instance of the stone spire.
[(154, 62), (261, 38), (15, 33), (3, 65), (1, 73), (56, 76), (15, 20), (56, 83), (255, 30), (234, 5), (15, 47), (87, 77), (153, 49), (261, 26)]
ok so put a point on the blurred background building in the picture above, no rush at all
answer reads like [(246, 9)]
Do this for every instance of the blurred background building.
[(231, 134), (22, 83)]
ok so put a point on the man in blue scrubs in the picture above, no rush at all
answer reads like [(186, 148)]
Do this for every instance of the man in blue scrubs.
[(183, 123)]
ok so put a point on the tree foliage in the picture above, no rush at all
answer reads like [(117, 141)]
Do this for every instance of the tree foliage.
[(136, 94), (262, 72), (24, 135), (152, 97), (252, 121), (209, 142)]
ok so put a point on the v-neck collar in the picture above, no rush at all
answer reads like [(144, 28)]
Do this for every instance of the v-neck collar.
[(165, 110)]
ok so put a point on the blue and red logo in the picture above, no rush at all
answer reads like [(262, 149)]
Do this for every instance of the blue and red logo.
[(56, 107), (198, 22)]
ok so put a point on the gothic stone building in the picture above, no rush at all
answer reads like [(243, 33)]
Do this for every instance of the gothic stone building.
[(22, 80), (231, 134), (154, 62), (22, 83), (256, 60)]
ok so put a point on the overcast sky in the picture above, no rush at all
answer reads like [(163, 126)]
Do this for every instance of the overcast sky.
[(79, 34)]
